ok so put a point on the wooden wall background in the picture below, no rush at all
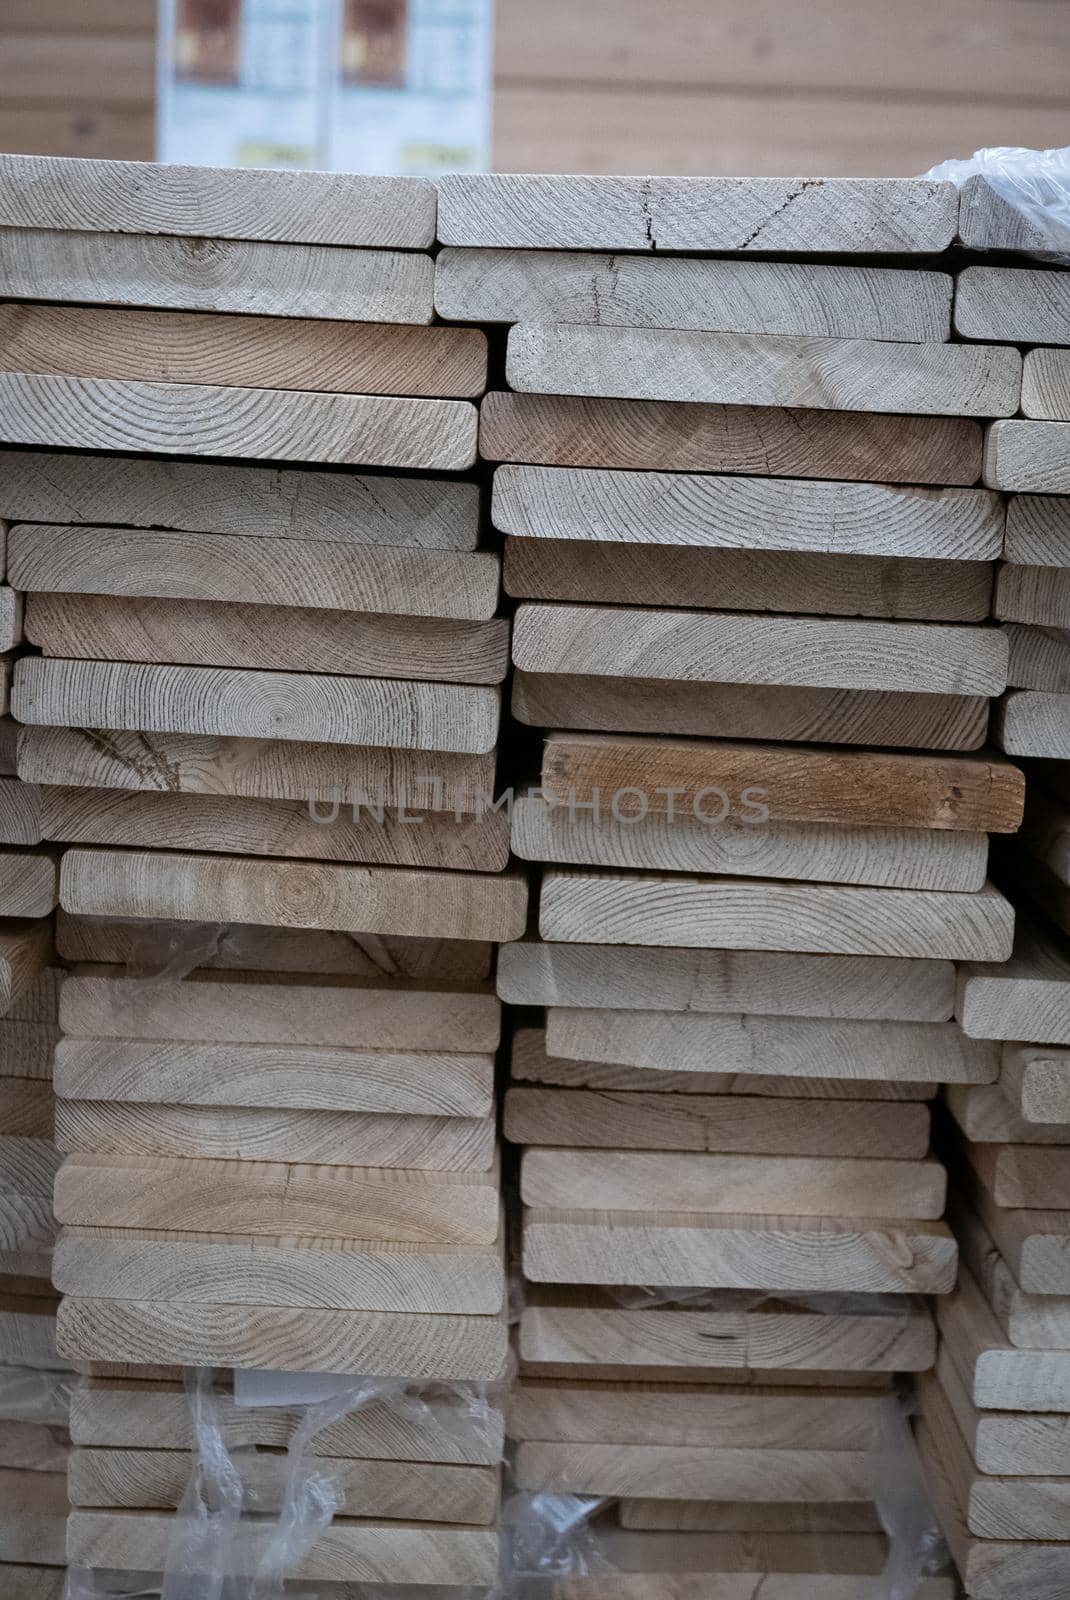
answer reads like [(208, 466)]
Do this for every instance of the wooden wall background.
[(744, 86)]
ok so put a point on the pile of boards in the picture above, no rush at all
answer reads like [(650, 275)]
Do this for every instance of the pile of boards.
[(260, 722), (753, 570)]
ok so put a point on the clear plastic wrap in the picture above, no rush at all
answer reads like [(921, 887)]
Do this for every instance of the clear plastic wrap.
[(1033, 183)]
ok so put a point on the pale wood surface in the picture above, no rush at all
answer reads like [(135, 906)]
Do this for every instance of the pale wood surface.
[(726, 1124), (1034, 594), (1037, 1080), (38, 1000), (29, 883), (748, 513), (270, 637), (257, 768), (134, 1413), (258, 705), (33, 1517), (789, 1046), (530, 1063), (10, 618), (222, 1007), (906, 858), (26, 1049), (769, 1253), (212, 566), (121, 1263), (197, 419), (161, 1072), (1030, 1321), (763, 441), (27, 1165), (756, 369), (240, 946), (989, 222), (532, 973), (1025, 1175), (750, 711), (235, 825), (985, 1114), (20, 812), (1022, 305), (1033, 1243), (744, 914), (743, 647), (376, 1344), (747, 580), (278, 1199), (157, 1479), (360, 357), (1027, 456), (1039, 658), (999, 1377), (214, 497), (866, 788), (388, 900), (328, 1138), (739, 1185), (1046, 384), (763, 297), (141, 197), (25, 948), (1038, 530), (668, 1471), (275, 280), (733, 215), (1017, 1443), (1027, 997), (1030, 723), (734, 1516)]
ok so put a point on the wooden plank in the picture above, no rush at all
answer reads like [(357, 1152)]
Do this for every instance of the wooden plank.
[(1046, 385), (382, 1082), (727, 1124), (996, 1507), (738, 711), (744, 914), (1027, 456), (244, 1008), (376, 1344), (1019, 305), (1036, 1178), (532, 973), (1016, 1443), (276, 1198), (328, 1138), (119, 1263), (34, 1517), (279, 828), (26, 1049), (998, 1377), (1038, 595), (866, 788), (243, 946), (762, 441), (582, 1411), (141, 197), (1033, 1243), (134, 1413), (1039, 658), (257, 705), (9, 729), (734, 1516), (1038, 530), (156, 1479), (254, 768), (366, 357), (1026, 723), (546, 829), (1029, 1321), (589, 1329), (530, 1063), (10, 618), (740, 1185), (788, 1046), (270, 637), (28, 1333), (55, 70), (390, 900), (25, 949), (668, 1471), (65, 128), (244, 499), (197, 419), (1037, 1080), (27, 1230), (276, 280), (985, 1115), (29, 883), (729, 215), (110, 16), (1027, 997), (26, 1108), (547, 286), (708, 647), (274, 572), (738, 512), (754, 369), (20, 812), (751, 580), (768, 1253), (27, 1166)]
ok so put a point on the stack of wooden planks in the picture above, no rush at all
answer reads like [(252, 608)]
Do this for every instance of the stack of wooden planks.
[(753, 572)]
